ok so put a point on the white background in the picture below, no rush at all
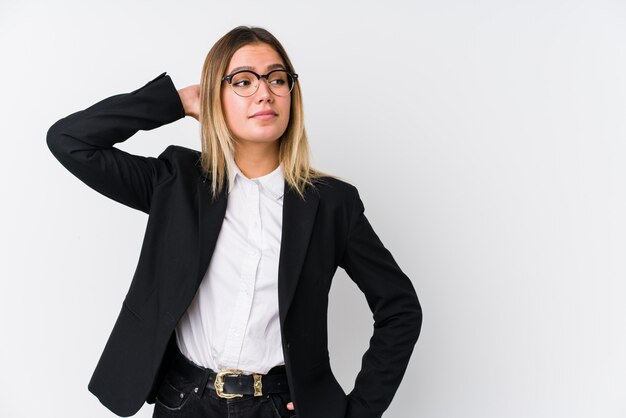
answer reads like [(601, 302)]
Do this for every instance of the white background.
[(487, 140)]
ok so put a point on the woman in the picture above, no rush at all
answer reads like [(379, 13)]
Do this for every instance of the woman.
[(226, 313)]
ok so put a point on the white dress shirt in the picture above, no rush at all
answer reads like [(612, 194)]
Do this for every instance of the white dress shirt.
[(232, 322)]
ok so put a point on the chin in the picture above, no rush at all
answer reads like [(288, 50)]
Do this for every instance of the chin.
[(265, 136)]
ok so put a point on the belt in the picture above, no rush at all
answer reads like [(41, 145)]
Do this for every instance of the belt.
[(233, 383)]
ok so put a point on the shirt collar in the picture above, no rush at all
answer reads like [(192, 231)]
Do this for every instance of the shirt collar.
[(273, 182)]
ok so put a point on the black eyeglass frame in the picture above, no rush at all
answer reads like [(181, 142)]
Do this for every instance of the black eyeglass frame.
[(229, 78)]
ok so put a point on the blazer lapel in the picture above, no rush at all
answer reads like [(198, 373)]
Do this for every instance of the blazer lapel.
[(298, 221), (297, 225), (210, 218)]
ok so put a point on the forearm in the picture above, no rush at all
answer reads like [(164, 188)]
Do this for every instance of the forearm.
[(118, 117), (384, 363)]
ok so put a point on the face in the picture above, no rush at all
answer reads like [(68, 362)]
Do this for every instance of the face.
[(239, 111)]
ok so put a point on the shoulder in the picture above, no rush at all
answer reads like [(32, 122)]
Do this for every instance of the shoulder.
[(181, 159), (340, 197), (177, 152), (336, 190)]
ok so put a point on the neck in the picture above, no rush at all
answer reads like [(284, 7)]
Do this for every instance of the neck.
[(256, 159)]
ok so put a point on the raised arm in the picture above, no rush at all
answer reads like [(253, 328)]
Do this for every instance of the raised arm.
[(397, 317), (83, 142)]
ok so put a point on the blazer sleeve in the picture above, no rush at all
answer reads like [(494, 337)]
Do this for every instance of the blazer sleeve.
[(83, 142), (397, 317)]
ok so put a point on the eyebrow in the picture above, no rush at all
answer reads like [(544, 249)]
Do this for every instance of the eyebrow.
[(247, 67)]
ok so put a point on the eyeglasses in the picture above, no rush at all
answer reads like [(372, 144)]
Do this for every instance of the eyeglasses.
[(246, 82)]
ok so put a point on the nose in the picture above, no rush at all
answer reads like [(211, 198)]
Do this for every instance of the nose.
[(264, 92)]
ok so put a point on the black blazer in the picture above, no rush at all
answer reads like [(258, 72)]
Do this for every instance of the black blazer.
[(325, 230)]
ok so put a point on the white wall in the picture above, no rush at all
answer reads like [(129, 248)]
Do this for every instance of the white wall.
[(486, 139)]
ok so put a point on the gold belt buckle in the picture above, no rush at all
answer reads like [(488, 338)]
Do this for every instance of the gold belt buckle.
[(219, 384)]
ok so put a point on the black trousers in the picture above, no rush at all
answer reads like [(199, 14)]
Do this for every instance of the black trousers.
[(182, 395)]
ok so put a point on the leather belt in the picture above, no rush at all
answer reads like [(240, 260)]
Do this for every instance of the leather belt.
[(233, 383)]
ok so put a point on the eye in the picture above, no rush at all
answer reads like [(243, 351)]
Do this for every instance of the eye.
[(242, 80), (279, 78)]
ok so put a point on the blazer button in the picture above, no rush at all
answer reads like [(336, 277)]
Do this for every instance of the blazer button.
[(288, 345)]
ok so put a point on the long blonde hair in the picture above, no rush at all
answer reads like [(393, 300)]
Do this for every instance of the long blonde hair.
[(217, 140)]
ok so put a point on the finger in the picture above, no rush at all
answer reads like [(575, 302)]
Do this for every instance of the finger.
[(290, 406)]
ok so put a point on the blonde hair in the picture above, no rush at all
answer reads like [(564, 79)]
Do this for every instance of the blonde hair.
[(217, 140)]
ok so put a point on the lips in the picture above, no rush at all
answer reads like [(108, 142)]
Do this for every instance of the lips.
[(264, 113)]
